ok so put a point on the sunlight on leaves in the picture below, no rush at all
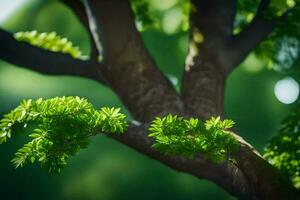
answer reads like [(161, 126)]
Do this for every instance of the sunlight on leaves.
[(50, 41), (58, 128), (211, 139)]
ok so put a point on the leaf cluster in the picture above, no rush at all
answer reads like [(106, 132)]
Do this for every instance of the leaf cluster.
[(59, 128), (188, 137), (283, 151), (281, 49), (50, 41)]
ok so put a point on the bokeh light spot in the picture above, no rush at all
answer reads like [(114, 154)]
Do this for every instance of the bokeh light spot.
[(287, 90), (252, 64), (172, 20), (163, 5), (173, 79), (8, 7)]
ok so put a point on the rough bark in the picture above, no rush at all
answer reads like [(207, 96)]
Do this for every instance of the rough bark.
[(131, 72), (213, 53), (129, 69), (205, 70), (264, 180), (226, 175)]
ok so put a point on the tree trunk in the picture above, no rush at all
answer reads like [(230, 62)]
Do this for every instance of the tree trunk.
[(132, 73)]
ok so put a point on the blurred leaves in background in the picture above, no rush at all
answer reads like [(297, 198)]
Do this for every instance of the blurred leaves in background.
[(108, 170)]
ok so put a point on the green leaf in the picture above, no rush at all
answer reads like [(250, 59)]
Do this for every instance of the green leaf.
[(283, 151), (60, 127), (50, 41), (175, 135)]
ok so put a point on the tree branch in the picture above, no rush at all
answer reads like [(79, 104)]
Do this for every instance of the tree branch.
[(129, 68), (226, 175), (203, 91), (204, 77), (132, 73), (43, 61), (212, 57), (79, 10), (250, 177), (258, 30), (214, 17), (264, 180)]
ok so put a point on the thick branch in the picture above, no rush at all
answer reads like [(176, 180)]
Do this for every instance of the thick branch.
[(130, 70), (226, 175), (250, 178), (43, 61), (132, 73), (214, 17), (264, 180), (203, 90), (212, 57), (204, 77)]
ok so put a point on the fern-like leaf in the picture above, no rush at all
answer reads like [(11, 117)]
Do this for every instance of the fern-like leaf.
[(50, 41), (61, 127)]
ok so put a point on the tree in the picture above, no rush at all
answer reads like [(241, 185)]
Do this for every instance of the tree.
[(221, 35)]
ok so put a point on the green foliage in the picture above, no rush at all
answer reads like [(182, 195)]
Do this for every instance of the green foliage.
[(50, 41), (245, 12), (187, 137), (283, 151), (59, 128), (149, 13), (142, 11), (281, 49), (186, 9)]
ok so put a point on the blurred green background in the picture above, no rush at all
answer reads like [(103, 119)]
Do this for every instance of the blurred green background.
[(108, 170)]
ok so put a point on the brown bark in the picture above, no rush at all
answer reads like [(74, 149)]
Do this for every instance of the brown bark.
[(203, 88), (264, 180), (206, 67), (132, 73), (212, 55), (129, 69), (226, 175)]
